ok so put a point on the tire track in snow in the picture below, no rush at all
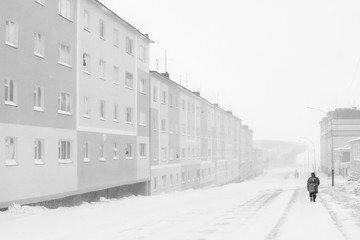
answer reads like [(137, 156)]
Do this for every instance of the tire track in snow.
[(274, 232), (239, 214), (334, 217)]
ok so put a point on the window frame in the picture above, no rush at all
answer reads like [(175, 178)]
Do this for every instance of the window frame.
[(39, 154), (11, 160), (39, 45), (66, 13), (38, 107), (129, 46), (86, 152), (11, 33), (142, 150), (129, 80), (68, 151), (128, 151), (64, 55), (129, 115), (68, 105), (102, 29), (10, 96)]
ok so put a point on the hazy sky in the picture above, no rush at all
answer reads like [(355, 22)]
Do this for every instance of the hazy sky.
[(264, 59)]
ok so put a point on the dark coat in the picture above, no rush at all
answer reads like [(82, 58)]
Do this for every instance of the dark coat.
[(312, 184)]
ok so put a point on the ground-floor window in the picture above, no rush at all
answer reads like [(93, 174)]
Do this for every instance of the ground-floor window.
[(10, 151), (64, 151)]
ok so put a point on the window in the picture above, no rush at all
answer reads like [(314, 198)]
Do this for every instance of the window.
[(163, 154), (86, 20), (171, 180), (86, 62), (102, 151), (163, 125), (177, 178), (39, 45), (116, 75), (38, 99), (116, 151), (116, 112), (10, 151), (163, 178), (183, 153), (42, 2), (142, 120), (102, 109), (64, 103), (163, 97), (142, 152), (183, 177), (102, 66), (155, 94), (155, 124), (129, 118), (183, 129), (129, 46), (39, 151), (86, 152), (183, 105), (128, 151), (10, 92), (86, 103), (65, 8), (11, 33), (142, 53), (64, 55), (129, 80), (102, 29), (116, 37), (142, 85), (64, 151), (155, 183), (176, 129), (170, 100)]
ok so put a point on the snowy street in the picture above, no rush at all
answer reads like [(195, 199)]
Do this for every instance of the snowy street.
[(271, 206)]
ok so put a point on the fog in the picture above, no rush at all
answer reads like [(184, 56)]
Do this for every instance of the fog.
[(265, 60)]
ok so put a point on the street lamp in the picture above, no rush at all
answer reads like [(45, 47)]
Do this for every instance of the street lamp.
[(332, 142), (314, 156)]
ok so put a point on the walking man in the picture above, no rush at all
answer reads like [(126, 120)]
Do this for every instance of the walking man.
[(312, 186)]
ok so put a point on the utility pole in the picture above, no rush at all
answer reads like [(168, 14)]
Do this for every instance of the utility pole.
[(331, 140)]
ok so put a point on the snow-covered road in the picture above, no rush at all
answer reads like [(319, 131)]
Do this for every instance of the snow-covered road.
[(272, 206)]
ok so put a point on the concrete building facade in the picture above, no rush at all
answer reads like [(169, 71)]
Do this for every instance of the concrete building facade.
[(113, 80), (336, 130), (38, 109), (194, 143)]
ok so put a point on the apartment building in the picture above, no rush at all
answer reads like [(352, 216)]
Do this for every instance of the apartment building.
[(113, 89), (355, 158), (165, 135), (194, 143), (38, 110), (336, 130), (83, 118)]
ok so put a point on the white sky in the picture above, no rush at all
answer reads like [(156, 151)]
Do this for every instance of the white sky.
[(265, 59)]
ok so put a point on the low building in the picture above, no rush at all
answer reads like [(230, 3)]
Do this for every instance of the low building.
[(336, 130), (355, 158), (342, 160)]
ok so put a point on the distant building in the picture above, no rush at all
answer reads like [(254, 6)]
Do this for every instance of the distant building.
[(194, 143), (342, 160), (355, 158), (336, 130)]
